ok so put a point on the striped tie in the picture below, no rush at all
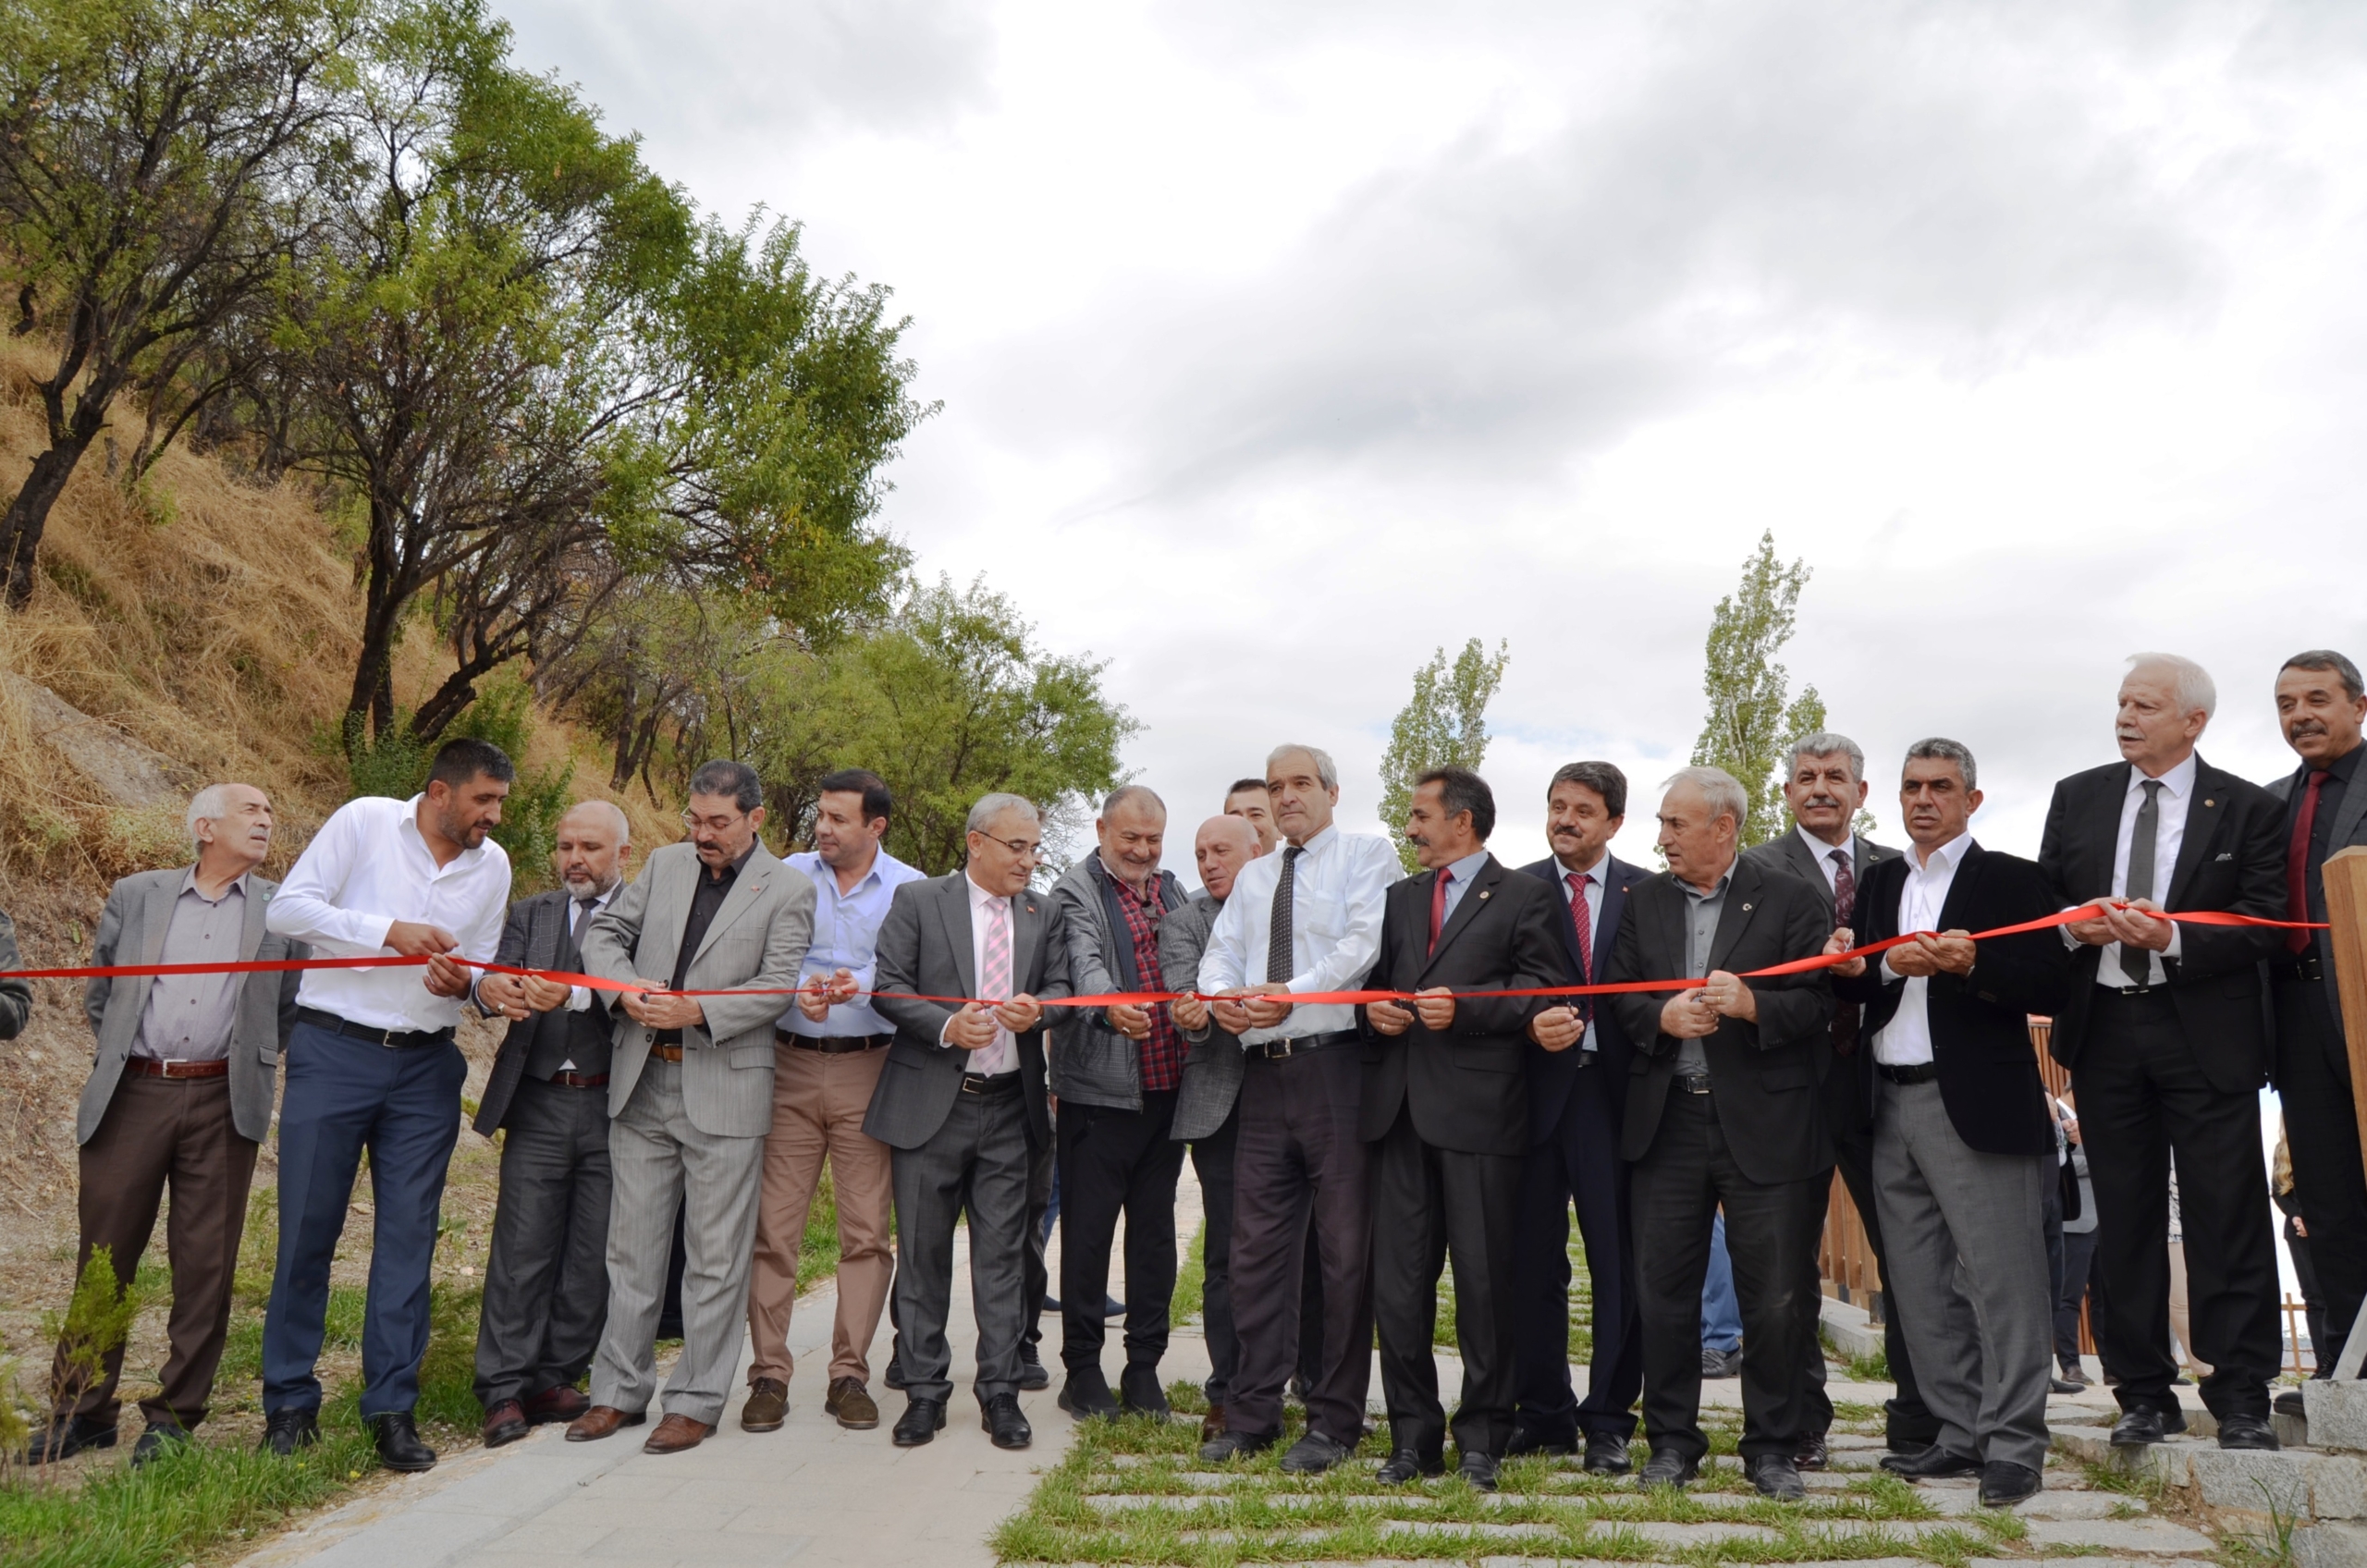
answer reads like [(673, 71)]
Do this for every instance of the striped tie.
[(994, 980)]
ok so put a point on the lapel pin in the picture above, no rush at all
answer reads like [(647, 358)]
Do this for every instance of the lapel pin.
[(1746, 909), (2211, 802), (1483, 892)]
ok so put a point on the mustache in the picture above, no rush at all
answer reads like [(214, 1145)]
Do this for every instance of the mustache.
[(1820, 798)]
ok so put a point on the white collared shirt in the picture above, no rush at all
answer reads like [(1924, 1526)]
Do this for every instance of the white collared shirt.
[(1592, 877), (1339, 889), (1003, 1055), (1823, 853), (1906, 1040), (2170, 811), (366, 868)]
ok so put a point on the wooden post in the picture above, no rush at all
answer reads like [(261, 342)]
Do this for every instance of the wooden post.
[(2346, 879)]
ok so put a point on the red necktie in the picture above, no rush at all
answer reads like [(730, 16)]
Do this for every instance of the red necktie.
[(2297, 863), (1582, 918), (1844, 909), (1438, 905)]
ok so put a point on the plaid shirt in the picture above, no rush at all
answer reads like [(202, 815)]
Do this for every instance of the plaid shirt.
[(1163, 1052)]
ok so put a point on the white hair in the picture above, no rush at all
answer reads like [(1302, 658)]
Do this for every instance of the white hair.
[(1721, 788), (617, 817), (983, 814), (1326, 772), (209, 804), (2189, 681)]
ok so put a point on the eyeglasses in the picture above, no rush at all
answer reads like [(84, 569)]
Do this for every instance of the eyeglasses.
[(1025, 849), (713, 824)]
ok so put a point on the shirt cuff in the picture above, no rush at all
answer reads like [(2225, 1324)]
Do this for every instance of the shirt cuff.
[(2178, 941), (942, 1043), (579, 998), (1887, 973)]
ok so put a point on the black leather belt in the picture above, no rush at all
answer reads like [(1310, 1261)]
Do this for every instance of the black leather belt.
[(393, 1039), (997, 1084), (832, 1045), (1690, 1083), (1913, 1073), (1283, 1050), (2161, 990), (2306, 967)]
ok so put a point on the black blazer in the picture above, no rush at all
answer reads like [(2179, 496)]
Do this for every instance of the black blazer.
[(2232, 857), (1786, 852), (1763, 1071), (1552, 1074), (1465, 1086), (1979, 1022), (534, 937)]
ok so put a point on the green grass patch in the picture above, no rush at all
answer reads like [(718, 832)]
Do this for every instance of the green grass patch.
[(1191, 1282)]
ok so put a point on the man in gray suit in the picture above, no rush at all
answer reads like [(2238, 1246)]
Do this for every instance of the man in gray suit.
[(691, 1089), (179, 1096), (960, 1102)]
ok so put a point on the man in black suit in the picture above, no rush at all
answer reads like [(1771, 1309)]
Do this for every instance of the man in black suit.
[(1445, 1111), (1578, 1091), (1964, 1143), (1722, 1111), (1824, 791), (2162, 1029)]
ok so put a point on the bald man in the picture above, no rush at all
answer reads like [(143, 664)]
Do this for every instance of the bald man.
[(547, 1279)]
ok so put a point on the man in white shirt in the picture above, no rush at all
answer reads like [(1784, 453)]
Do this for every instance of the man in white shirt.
[(1304, 919), (372, 1066)]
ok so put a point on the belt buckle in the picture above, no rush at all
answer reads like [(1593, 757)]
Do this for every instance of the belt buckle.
[(973, 1085)]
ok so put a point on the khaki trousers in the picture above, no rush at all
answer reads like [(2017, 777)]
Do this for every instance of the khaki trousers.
[(819, 1102)]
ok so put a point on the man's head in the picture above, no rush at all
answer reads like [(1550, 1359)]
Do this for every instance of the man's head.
[(589, 849), (1302, 786), (2319, 705), (1826, 786), (1584, 806), (1006, 838), (2165, 703), (230, 825), (1450, 816), (1700, 818), (850, 817), (1224, 846), (1938, 792), (1132, 830), (1248, 800), (727, 807), (466, 785)]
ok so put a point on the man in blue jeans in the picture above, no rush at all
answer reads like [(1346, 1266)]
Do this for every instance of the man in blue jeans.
[(1721, 1312)]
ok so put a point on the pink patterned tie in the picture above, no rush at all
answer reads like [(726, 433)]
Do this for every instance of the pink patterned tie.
[(994, 982)]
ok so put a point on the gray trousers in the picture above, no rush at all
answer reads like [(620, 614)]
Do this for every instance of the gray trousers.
[(658, 1160), (1965, 1249), (546, 1279), (978, 1161)]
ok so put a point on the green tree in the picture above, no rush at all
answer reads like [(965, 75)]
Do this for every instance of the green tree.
[(1445, 725), (1752, 717)]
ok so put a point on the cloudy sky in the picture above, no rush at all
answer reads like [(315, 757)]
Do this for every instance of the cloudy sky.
[(1279, 346)]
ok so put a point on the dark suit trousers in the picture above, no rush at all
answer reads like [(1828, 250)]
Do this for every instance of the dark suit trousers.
[(1212, 1163), (161, 1132), (1430, 1204), (1679, 1184), (547, 1277), (2322, 1132), (1299, 1154), (1578, 1165), (1112, 1160), (977, 1161), (2141, 1096), (1036, 1276)]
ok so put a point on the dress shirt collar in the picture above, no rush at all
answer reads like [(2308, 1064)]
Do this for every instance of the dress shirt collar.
[(980, 896), (1947, 858), (1464, 870), (189, 885), (1141, 894), (1316, 845), (729, 871), (871, 877), (1717, 892), (2177, 781), (409, 824), (2343, 767), (1822, 852), (1599, 871)]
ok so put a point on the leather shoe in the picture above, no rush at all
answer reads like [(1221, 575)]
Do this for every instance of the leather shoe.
[(505, 1423), (2062, 1386), (1001, 1420), (1033, 1375), (1812, 1454), (398, 1438), (563, 1401), (1478, 1471), (1718, 1364), (1934, 1464), (1212, 1424), (766, 1409), (155, 1440), (1529, 1439), (894, 1375), (1607, 1455), (1087, 1395), (2005, 1483), (921, 1422), (1666, 1468), (1775, 1476), (602, 1421), (1405, 1466), (2145, 1424), (1230, 1444), (1139, 1393), (2246, 1431), (1313, 1454), (850, 1402), (285, 1431), (2291, 1402), (66, 1437), (676, 1434)]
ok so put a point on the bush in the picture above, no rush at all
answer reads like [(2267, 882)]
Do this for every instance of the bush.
[(396, 765)]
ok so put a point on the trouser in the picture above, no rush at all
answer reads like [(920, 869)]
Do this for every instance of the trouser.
[(1720, 1311), (1430, 1204), (2142, 1096), (546, 1276), (1212, 1163), (1114, 1160), (1298, 1156), (1909, 1422), (1035, 1278), (2078, 1251), (2321, 1134), (660, 1162), (1968, 1261), (1679, 1184), (345, 1096), (977, 1161), (819, 1101), (1578, 1166), (2313, 1301), (161, 1134)]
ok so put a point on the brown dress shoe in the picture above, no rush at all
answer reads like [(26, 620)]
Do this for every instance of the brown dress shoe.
[(766, 1408), (1212, 1424), (676, 1434), (601, 1421), (505, 1423), (850, 1402), (562, 1403)]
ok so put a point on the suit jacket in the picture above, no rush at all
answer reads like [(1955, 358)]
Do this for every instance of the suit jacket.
[(2231, 858), (2349, 826), (1979, 1022), (1552, 1074), (1786, 852), (1213, 1060), (1764, 1070), (1467, 1086), (131, 931), (534, 937), (757, 939), (1094, 1064), (16, 996), (926, 948)]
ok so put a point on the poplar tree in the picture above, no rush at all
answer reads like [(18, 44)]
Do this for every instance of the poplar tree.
[(1445, 725), (1752, 717)]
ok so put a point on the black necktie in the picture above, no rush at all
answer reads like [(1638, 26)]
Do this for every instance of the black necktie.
[(583, 919), (1278, 934), (2136, 962)]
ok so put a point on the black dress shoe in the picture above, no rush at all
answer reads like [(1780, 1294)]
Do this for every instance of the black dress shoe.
[(2144, 1425), (2246, 1431), (1405, 1466), (1667, 1467), (2005, 1483), (1001, 1420), (894, 1377), (1934, 1463), (2291, 1402), (285, 1431), (1478, 1472), (1536, 1440), (1237, 1445), (1087, 1395), (1313, 1454), (156, 1441), (66, 1437), (1812, 1454), (397, 1435), (2063, 1386), (1032, 1375), (921, 1420), (1139, 1393), (1775, 1476), (1607, 1455)]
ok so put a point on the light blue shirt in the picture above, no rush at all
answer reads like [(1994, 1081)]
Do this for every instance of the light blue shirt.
[(1462, 872), (846, 936)]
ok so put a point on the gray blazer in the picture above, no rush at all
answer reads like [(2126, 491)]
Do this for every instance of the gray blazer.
[(132, 931), (16, 996), (1212, 1068), (758, 939), (1095, 1064), (2349, 827)]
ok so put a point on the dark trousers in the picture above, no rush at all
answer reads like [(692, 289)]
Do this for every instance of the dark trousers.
[(1909, 1423), (547, 1277), (1430, 1204), (1212, 1163), (1043, 1163), (2141, 1097), (1578, 1166), (1112, 1160), (2322, 1132), (1299, 1154), (976, 1162), (345, 1096), (160, 1134), (2313, 1299), (1678, 1187), (2078, 1252)]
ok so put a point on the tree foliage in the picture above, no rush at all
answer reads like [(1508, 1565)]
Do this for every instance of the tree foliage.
[(1443, 725), (1752, 717)]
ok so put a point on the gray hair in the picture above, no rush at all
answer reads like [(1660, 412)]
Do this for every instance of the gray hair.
[(1326, 771), (2323, 660), (1939, 748), (208, 804), (617, 817), (1825, 743), (983, 814), (1722, 790), (1125, 793), (2191, 682)]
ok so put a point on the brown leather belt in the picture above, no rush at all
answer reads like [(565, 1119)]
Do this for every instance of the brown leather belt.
[(667, 1053), (832, 1045), (149, 1067), (583, 1079)]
